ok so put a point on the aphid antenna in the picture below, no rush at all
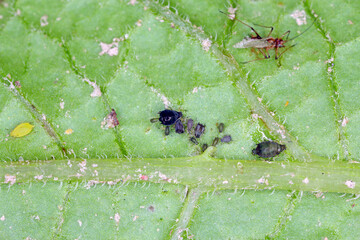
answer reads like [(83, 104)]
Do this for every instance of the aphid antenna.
[(257, 35), (303, 31)]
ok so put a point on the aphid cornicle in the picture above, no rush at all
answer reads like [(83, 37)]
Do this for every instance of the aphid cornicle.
[(199, 129), (268, 149), (264, 44)]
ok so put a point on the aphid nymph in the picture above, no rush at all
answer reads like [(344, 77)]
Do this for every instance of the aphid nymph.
[(215, 141), (226, 139), (190, 124), (268, 149), (199, 129), (264, 44), (193, 140), (179, 127), (221, 127)]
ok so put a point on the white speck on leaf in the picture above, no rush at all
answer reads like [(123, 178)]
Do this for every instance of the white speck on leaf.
[(206, 44), (2, 218), (225, 182), (44, 21), (62, 104), (163, 98), (110, 121), (79, 222), (117, 218), (132, 2), (306, 181), (39, 177), (350, 184), (344, 121), (10, 179), (97, 90), (232, 12), (139, 23), (299, 16), (111, 49), (1, 17)]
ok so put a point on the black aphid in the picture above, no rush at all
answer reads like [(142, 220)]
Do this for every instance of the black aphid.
[(190, 124), (215, 141), (199, 129), (204, 147), (226, 139), (194, 140), (268, 149), (167, 130), (221, 127), (169, 117), (179, 127)]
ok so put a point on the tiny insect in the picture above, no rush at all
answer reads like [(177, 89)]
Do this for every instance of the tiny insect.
[(221, 127), (268, 149), (215, 141), (204, 147), (192, 139), (189, 124), (168, 118), (199, 129), (226, 139), (267, 43), (179, 127)]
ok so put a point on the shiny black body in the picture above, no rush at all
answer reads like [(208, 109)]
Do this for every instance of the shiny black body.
[(268, 149), (169, 117)]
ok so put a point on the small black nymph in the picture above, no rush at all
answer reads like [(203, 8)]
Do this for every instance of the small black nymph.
[(268, 149)]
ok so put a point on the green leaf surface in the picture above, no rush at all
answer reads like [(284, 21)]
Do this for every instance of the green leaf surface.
[(65, 65)]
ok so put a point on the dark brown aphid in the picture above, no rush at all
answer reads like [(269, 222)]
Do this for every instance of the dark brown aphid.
[(192, 139), (267, 43), (199, 129), (215, 141), (221, 127), (167, 130), (179, 127), (226, 139), (268, 149), (204, 147), (190, 124)]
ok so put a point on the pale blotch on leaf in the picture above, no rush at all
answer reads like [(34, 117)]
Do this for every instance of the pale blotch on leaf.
[(22, 130), (299, 16), (350, 184), (44, 21), (206, 44)]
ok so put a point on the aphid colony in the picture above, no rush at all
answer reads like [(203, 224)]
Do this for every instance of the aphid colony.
[(168, 118)]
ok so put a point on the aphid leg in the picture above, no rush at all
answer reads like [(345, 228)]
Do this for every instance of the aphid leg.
[(287, 33), (266, 54), (257, 35), (285, 51), (271, 28), (254, 60)]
